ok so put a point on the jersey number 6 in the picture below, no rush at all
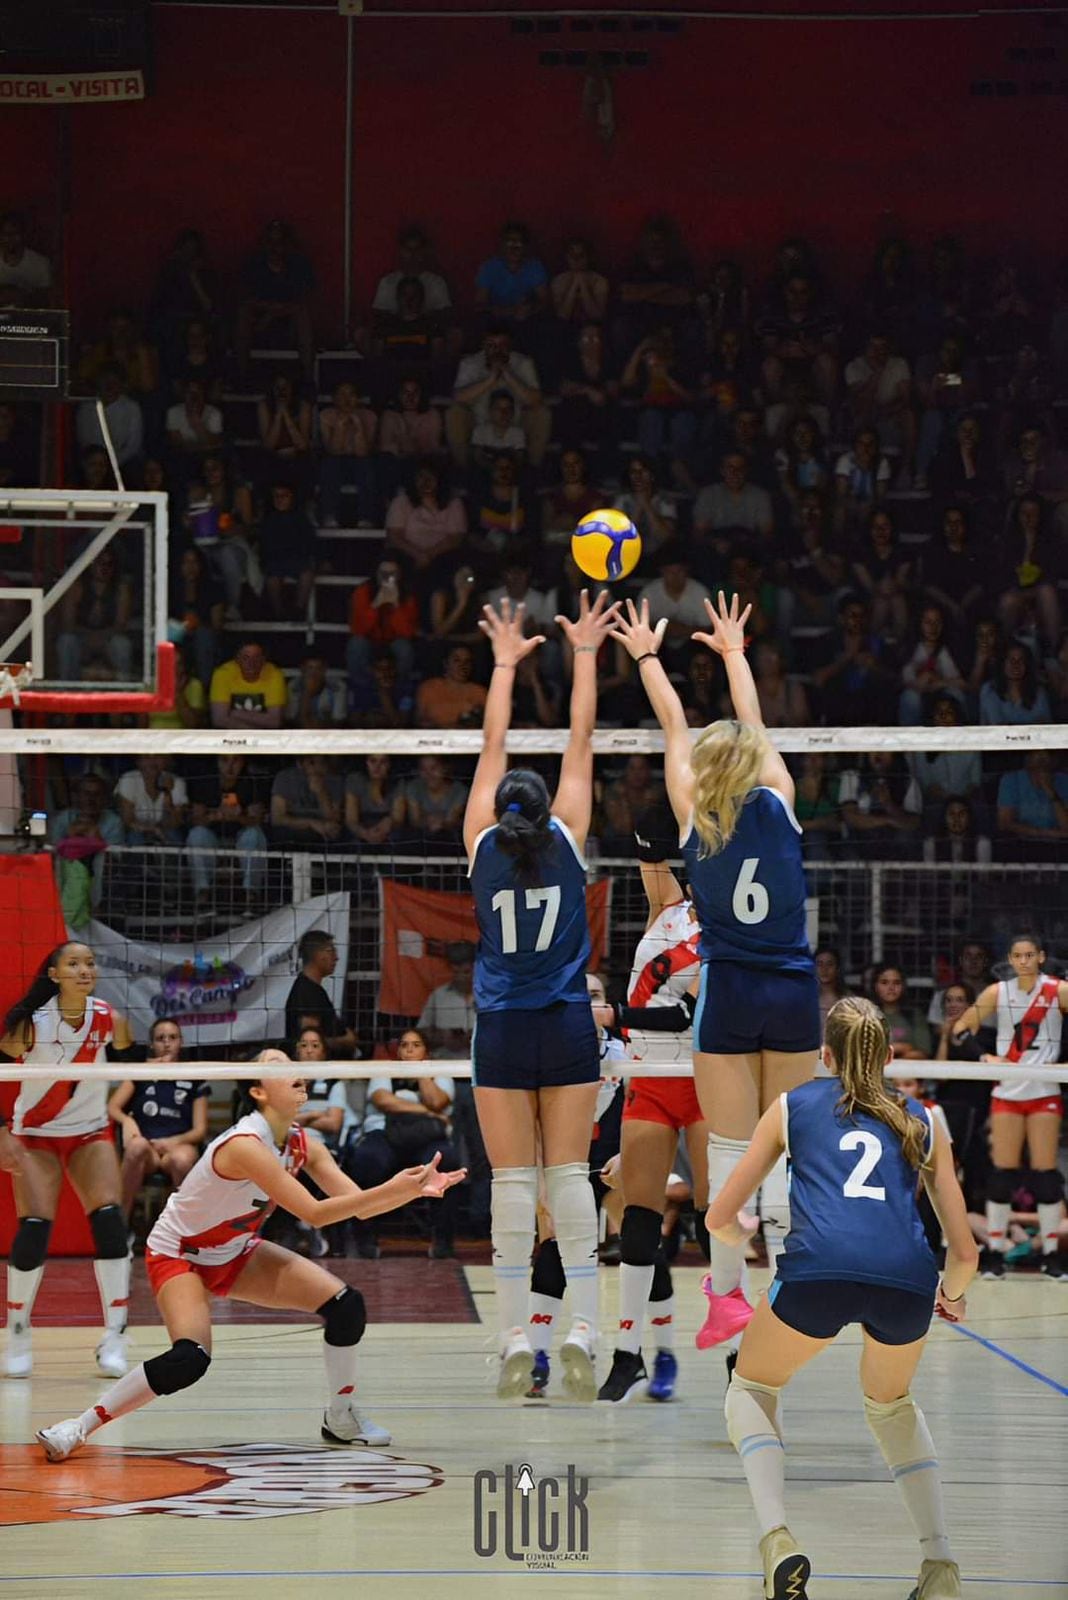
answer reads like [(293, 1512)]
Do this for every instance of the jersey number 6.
[(750, 902), (504, 902)]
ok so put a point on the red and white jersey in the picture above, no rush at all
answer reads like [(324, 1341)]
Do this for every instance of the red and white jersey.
[(1029, 1034), (666, 962), (212, 1219), (61, 1108)]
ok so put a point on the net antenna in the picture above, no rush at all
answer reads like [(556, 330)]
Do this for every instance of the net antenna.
[(105, 434)]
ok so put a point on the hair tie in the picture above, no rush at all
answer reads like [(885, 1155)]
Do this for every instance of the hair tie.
[(513, 806)]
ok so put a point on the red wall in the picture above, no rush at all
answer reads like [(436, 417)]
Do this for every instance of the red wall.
[(747, 130)]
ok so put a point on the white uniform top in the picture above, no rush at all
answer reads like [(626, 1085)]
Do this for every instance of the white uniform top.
[(63, 1108), (212, 1219), (666, 962), (1029, 1027)]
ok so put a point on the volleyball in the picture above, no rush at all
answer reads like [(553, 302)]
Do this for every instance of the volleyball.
[(606, 545)]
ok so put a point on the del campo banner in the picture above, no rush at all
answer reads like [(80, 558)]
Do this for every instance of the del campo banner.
[(228, 988)]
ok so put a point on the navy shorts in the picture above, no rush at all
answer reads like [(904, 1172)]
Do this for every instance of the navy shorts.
[(821, 1308), (536, 1049), (742, 1010)]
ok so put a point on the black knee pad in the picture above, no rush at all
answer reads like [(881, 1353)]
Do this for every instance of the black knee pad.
[(700, 1229), (671, 1243), (109, 1233), (639, 1237), (1047, 1187), (663, 1288), (548, 1277), (345, 1317), (30, 1244), (1001, 1184), (184, 1364)]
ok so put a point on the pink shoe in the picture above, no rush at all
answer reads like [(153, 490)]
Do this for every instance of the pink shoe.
[(727, 1315)]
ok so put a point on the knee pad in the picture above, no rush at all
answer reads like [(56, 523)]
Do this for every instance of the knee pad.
[(30, 1244), (109, 1232), (1048, 1187), (723, 1156), (662, 1288), (700, 1228), (1001, 1184), (184, 1364), (571, 1204), (345, 1317), (901, 1432), (639, 1237), (775, 1198), (513, 1215), (752, 1413), (548, 1276)]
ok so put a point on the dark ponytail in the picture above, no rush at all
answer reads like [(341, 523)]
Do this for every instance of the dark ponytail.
[(41, 990), (521, 805)]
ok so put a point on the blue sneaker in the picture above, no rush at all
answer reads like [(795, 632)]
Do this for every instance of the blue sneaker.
[(539, 1376), (665, 1372)]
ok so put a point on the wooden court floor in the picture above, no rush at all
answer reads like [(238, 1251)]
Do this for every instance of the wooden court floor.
[(227, 1491)]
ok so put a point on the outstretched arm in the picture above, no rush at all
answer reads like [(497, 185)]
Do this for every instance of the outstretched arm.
[(573, 801), (643, 642), (504, 630), (727, 639)]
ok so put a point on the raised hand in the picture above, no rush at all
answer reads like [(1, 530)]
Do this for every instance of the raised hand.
[(728, 628), (504, 630), (439, 1182), (636, 634), (594, 623)]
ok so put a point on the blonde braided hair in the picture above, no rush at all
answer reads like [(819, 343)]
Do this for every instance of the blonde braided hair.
[(859, 1040)]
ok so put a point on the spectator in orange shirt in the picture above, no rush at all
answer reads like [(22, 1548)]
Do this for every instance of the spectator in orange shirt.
[(383, 616), (451, 701)]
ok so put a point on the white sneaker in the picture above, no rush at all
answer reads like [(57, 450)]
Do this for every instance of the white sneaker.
[(111, 1354), (578, 1354), (18, 1355), (345, 1425), (516, 1360), (62, 1439)]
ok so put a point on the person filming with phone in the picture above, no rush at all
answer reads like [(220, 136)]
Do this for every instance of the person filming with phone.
[(382, 615)]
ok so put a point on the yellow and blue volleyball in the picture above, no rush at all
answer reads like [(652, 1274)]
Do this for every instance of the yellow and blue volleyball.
[(606, 545)]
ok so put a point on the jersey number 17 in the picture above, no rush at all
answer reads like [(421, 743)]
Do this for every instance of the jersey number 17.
[(547, 898)]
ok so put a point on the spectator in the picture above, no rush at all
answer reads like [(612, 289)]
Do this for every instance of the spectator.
[(307, 804), (674, 594), (427, 524), (284, 421), (724, 302), (513, 285), (193, 426), (929, 670), (957, 837), (383, 615), (308, 1003), (949, 772), (816, 805), (880, 803), (657, 285), (800, 465), (383, 700), (249, 691), (854, 684), (880, 397), (652, 512), (564, 507), (190, 708), (451, 701), (1056, 672), (187, 286), (536, 699), (287, 552), (370, 802), (733, 503), (411, 427), (890, 289), (726, 387), (414, 259), (94, 614), (502, 513), (579, 293), (218, 516), (628, 800), (499, 433), (987, 649), (80, 835), (783, 701), (17, 465), (430, 807), (947, 388), (325, 1114), (25, 275), (702, 692), (813, 567), (496, 366), (447, 1020), (1033, 809), (973, 968), (1014, 694), (829, 976), (152, 803), (953, 570), (316, 700), (799, 335), (884, 575), (540, 607), (412, 332), (1037, 468), (347, 430), (909, 1039), (196, 358), (196, 603), (122, 414), (276, 283), (406, 1121), (667, 424), (588, 394), (861, 480), (1026, 571), (456, 608), (122, 347), (228, 811), (963, 472), (164, 1123)]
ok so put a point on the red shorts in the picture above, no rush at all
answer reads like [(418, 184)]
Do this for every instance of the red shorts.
[(1050, 1105), (218, 1280), (672, 1101), (65, 1143)]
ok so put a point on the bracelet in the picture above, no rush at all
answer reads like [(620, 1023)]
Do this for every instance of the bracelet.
[(509, 666), (585, 649), (730, 650), (650, 655), (951, 1302)]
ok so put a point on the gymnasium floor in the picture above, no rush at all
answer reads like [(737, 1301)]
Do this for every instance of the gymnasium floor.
[(227, 1491)]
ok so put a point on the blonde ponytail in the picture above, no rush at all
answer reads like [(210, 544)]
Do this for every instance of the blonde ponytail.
[(727, 761), (859, 1040)]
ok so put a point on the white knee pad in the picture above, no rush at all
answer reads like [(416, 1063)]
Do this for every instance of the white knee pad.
[(902, 1434), (574, 1211), (513, 1211), (775, 1198), (752, 1413), (723, 1156)]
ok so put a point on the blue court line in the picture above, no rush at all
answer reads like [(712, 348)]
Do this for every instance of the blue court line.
[(496, 1573), (988, 1344)]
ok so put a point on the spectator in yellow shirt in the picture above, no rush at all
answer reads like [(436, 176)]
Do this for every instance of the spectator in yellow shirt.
[(249, 691)]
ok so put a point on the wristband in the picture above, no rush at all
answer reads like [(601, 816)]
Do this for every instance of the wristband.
[(730, 650), (509, 666), (951, 1302), (650, 655), (586, 649)]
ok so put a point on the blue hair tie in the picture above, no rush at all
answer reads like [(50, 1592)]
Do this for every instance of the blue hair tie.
[(514, 806)]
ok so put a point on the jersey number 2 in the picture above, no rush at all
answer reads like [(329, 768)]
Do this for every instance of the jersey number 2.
[(750, 902), (504, 902), (856, 1186)]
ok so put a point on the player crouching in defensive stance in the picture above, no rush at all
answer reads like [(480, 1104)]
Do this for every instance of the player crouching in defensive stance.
[(855, 1252), (206, 1242)]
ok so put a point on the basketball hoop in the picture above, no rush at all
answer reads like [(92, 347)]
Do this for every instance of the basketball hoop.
[(13, 679)]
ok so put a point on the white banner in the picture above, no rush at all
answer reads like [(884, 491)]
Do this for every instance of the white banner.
[(69, 88), (226, 988)]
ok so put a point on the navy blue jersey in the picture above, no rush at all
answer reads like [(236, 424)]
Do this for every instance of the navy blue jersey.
[(750, 896), (164, 1108), (534, 943), (853, 1211)]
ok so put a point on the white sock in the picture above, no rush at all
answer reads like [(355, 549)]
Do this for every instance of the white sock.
[(1049, 1226), (997, 1224), (634, 1286), (574, 1212), (727, 1261), (904, 1438), (113, 1282), (775, 1211), (22, 1290), (130, 1393), (662, 1322), (752, 1413), (545, 1313), (340, 1363), (513, 1208)]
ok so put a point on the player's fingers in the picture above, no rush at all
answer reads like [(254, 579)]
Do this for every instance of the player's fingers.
[(744, 618), (661, 629)]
